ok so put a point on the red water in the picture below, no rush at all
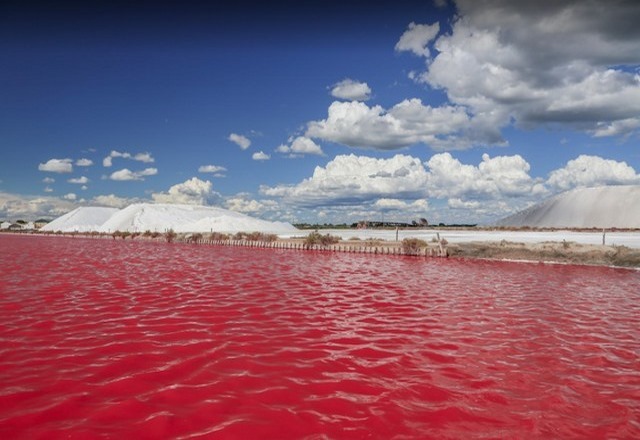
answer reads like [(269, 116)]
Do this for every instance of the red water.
[(122, 339)]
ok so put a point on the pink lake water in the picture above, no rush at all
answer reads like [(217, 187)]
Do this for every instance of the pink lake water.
[(126, 339)]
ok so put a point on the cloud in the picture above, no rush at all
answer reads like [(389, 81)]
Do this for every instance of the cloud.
[(300, 146), (126, 174), (13, 206), (140, 157), (48, 189), (70, 196), (144, 157), (410, 122), (57, 166), (245, 204), (569, 64), (494, 178), (191, 192), (587, 171), (260, 155), (84, 162), (351, 90), (112, 200), (80, 180), (48, 180), (240, 140), (416, 38), (350, 179), (216, 170), (352, 187)]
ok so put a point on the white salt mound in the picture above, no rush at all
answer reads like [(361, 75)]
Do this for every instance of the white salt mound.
[(83, 219), (141, 217), (601, 207)]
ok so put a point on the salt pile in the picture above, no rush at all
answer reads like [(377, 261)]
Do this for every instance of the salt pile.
[(141, 217), (601, 207), (83, 219)]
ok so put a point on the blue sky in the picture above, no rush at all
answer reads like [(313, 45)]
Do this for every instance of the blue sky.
[(453, 111)]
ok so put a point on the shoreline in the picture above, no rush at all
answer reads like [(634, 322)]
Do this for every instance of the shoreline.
[(550, 252)]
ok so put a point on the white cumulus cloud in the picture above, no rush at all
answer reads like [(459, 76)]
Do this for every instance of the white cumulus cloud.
[(13, 206), (112, 200), (260, 155), (216, 170), (242, 141), (245, 204), (351, 90), (79, 180), (191, 192), (356, 186), (57, 166), (127, 174), (70, 196), (567, 63), (410, 122), (416, 38), (84, 162), (140, 157), (494, 178), (587, 171), (348, 179), (301, 145)]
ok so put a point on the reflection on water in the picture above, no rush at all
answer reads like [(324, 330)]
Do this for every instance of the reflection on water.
[(148, 340)]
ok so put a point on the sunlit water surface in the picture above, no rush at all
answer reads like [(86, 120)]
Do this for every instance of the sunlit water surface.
[(122, 339)]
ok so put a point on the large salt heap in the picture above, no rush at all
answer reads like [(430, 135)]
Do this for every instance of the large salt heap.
[(601, 207), (159, 217), (141, 217), (83, 219)]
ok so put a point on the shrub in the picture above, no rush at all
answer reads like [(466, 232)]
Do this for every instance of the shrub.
[(218, 236), (413, 246), (239, 236), (194, 238), (170, 235), (254, 236), (323, 240)]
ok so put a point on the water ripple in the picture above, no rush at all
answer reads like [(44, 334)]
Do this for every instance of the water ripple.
[(135, 339)]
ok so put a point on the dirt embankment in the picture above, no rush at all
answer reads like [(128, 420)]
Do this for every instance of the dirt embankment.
[(561, 252)]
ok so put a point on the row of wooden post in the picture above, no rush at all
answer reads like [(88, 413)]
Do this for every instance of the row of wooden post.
[(438, 251)]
